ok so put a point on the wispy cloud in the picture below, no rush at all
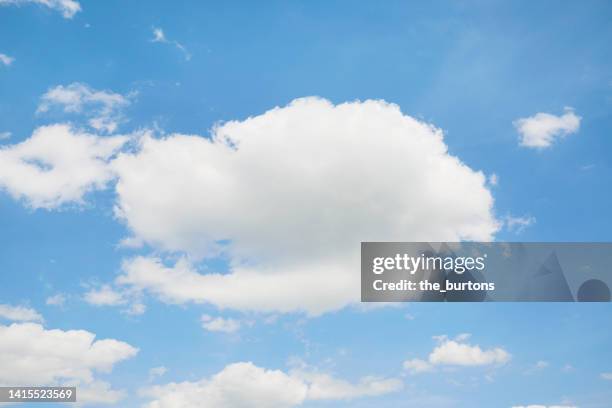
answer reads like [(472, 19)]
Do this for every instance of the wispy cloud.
[(5, 59), (106, 295), (518, 224), (156, 372), (56, 300), (102, 108), (493, 180), (19, 313), (587, 167), (538, 366), (160, 37)]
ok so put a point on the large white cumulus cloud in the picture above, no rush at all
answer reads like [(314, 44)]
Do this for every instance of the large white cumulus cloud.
[(288, 196)]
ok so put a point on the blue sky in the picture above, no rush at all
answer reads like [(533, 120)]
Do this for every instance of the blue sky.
[(469, 68)]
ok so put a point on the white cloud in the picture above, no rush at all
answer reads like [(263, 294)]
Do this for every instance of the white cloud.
[(56, 300), (5, 59), (56, 165), (33, 355), (135, 309), (160, 37), (105, 296), (288, 196), (518, 224), (103, 108), (451, 352), (457, 352), (416, 366), (19, 314), (541, 130), (219, 324), (68, 8), (538, 366), (606, 376), (246, 385), (157, 372), (5, 135)]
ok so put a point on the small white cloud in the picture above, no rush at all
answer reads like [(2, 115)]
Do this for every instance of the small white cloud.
[(68, 8), (19, 314), (606, 376), (5, 135), (5, 59), (105, 296), (417, 366), (457, 352), (219, 324), (541, 130), (56, 300), (135, 309), (102, 108), (518, 224), (160, 37)]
